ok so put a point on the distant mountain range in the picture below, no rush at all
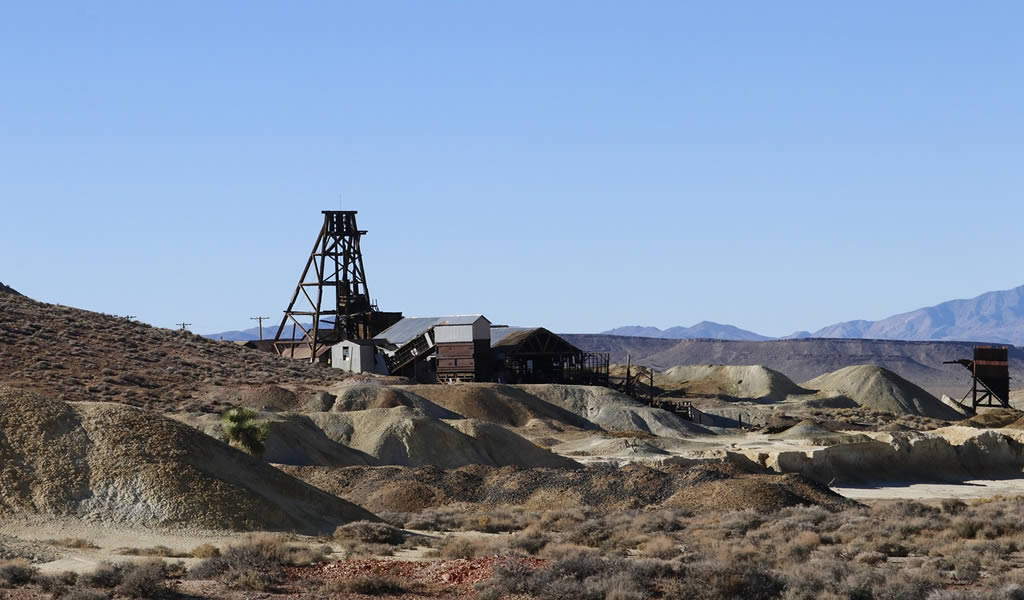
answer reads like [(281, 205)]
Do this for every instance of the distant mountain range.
[(703, 330), (245, 335), (995, 317)]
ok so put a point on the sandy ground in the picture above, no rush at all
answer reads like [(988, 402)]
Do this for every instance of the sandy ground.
[(973, 489)]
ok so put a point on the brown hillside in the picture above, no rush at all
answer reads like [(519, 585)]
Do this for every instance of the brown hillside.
[(77, 355), (117, 465)]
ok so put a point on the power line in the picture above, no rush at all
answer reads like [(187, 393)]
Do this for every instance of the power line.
[(260, 319)]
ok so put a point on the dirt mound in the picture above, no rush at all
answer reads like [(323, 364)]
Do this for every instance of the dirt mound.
[(611, 488), (723, 381), (115, 464), (6, 289), (495, 403), (614, 411), (409, 437), (363, 396), (291, 440), (268, 397), (882, 390), (992, 419), (77, 355), (506, 448), (762, 493)]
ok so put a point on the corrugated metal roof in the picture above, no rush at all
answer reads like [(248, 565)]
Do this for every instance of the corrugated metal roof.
[(509, 336), (410, 328)]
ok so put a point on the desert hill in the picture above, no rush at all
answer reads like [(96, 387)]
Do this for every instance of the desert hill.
[(879, 389), (78, 355), (119, 465), (753, 382), (804, 359)]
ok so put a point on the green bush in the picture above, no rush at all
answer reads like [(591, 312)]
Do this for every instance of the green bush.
[(242, 428)]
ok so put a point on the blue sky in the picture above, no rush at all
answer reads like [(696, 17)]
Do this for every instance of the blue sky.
[(577, 165)]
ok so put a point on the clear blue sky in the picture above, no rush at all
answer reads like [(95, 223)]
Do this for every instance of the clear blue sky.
[(578, 165)]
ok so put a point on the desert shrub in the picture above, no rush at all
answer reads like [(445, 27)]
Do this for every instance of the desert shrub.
[(242, 428), (163, 551), (145, 580), (461, 547), (56, 585), (105, 575), (952, 506), (718, 581), (801, 546), (14, 574), (907, 584), (254, 564), (905, 509), (205, 551), (370, 586), (530, 542), (370, 533), (510, 577), (870, 558), (890, 548), (738, 523), (660, 546), (557, 551), (495, 522), (81, 593)]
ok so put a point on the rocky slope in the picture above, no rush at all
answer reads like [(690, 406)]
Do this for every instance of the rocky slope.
[(75, 355)]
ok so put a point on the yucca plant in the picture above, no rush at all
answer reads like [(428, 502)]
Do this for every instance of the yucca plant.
[(242, 428)]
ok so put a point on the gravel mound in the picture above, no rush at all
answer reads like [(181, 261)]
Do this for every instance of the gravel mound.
[(614, 411), (363, 396), (115, 464), (407, 436), (496, 403), (882, 390), (993, 418), (712, 487), (291, 440), (268, 397), (724, 381)]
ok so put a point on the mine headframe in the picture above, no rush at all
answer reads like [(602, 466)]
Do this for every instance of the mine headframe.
[(331, 302), (990, 376)]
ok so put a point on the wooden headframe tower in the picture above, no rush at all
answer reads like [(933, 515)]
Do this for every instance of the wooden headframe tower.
[(331, 302)]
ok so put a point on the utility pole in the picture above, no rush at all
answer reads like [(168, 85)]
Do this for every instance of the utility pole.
[(260, 319), (129, 318), (183, 325)]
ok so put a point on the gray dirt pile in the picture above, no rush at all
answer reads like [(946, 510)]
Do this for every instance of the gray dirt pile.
[(407, 436), (291, 440), (118, 465), (77, 355), (714, 486), (366, 395), (614, 411), (496, 403), (752, 382), (882, 390)]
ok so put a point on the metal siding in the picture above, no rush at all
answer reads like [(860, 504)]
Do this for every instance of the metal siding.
[(447, 334)]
